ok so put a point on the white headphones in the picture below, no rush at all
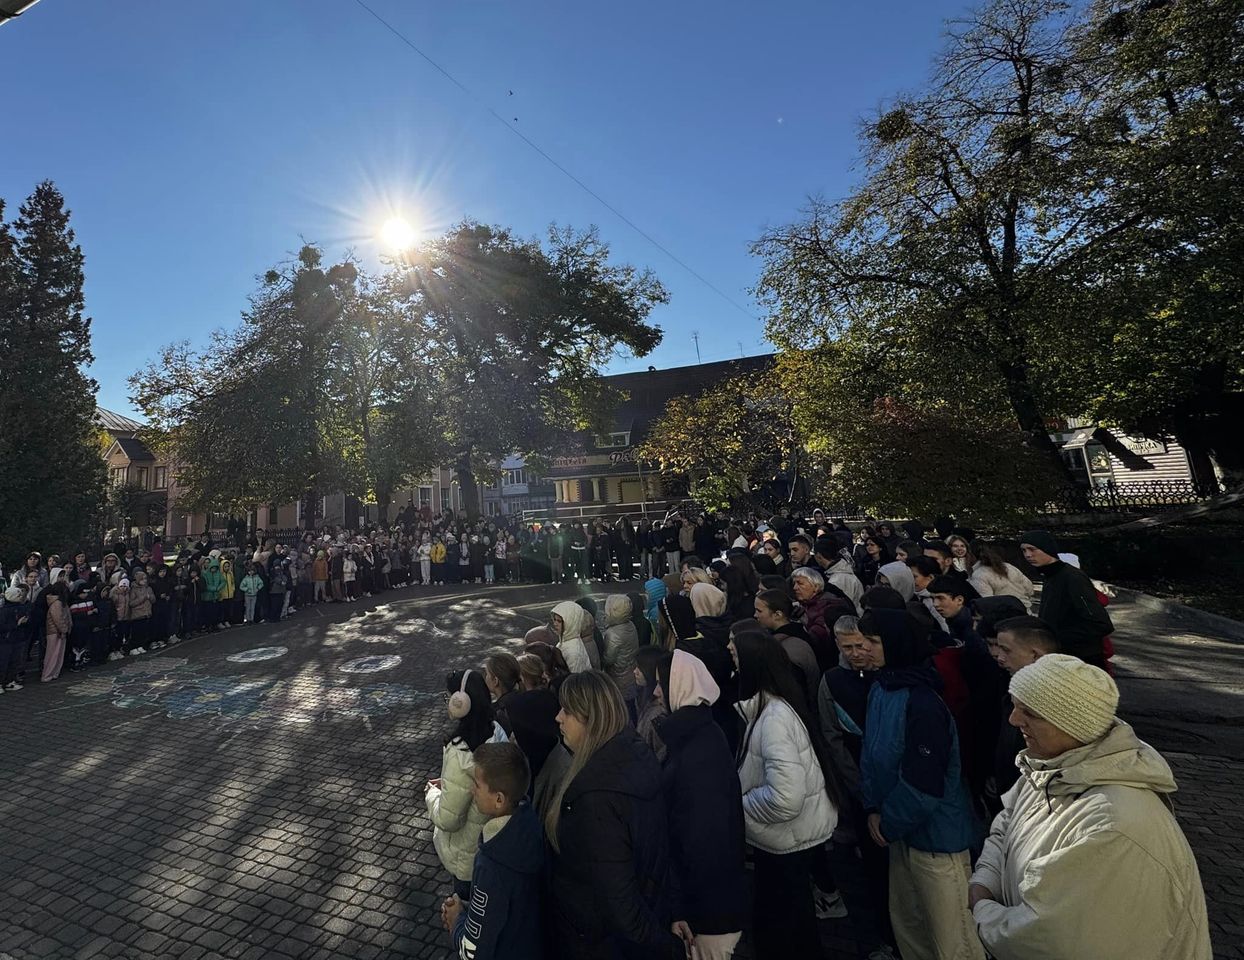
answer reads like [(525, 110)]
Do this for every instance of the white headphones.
[(460, 702)]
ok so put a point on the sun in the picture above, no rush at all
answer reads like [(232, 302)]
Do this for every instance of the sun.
[(398, 234)]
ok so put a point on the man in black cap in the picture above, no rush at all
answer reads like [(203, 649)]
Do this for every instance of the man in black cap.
[(1069, 603)]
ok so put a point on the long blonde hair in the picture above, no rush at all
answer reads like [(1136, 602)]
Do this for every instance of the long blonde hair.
[(594, 699)]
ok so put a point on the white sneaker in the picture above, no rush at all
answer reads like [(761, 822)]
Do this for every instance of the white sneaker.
[(12, 685), (829, 906), (140, 650), (115, 655)]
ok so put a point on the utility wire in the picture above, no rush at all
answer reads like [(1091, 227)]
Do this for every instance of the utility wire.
[(543, 153)]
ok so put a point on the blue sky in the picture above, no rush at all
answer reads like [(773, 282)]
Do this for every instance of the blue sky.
[(197, 145)]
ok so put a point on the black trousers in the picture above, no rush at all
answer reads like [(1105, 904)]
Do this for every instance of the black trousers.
[(784, 918)]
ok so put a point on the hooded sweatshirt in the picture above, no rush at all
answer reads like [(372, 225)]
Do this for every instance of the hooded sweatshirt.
[(1086, 859), (909, 764), (898, 576), (502, 921), (570, 642)]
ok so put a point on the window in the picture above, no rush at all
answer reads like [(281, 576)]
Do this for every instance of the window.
[(142, 478), (613, 439), (511, 477), (444, 499), (425, 496), (161, 478), (117, 476)]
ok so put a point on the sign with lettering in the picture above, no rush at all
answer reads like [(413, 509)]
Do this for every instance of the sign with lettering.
[(1142, 446)]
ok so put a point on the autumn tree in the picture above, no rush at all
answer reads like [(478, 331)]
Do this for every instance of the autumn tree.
[(728, 442), (976, 211), (517, 333)]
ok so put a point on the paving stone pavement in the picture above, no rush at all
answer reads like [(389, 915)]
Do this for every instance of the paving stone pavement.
[(184, 804)]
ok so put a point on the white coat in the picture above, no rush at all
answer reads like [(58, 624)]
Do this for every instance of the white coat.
[(456, 823), (785, 807), (1086, 860)]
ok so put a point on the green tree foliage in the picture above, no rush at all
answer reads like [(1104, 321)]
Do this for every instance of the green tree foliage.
[(306, 397), (517, 332), (727, 441), (1158, 348), (51, 474)]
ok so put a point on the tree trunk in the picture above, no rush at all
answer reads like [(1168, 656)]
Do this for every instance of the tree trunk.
[(468, 489), (1031, 420), (384, 497)]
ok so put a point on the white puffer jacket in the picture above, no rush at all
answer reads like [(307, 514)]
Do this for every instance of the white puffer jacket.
[(1087, 860), (785, 807), (456, 822)]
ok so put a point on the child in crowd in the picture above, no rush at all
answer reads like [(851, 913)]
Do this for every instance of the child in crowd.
[(456, 823), (425, 559), (251, 587), (502, 919), (438, 553), (14, 630), (319, 576)]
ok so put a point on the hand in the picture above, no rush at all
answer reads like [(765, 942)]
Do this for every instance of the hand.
[(874, 829), (433, 783), (683, 932), (978, 892), (449, 912)]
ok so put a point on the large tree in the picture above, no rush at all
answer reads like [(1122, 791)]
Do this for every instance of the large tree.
[(977, 210), (51, 473), (517, 333), (260, 416), (1156, 345)]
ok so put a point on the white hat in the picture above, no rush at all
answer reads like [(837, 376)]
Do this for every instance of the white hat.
[(1076, 697)]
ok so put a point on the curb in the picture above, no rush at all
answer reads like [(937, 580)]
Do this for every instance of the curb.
[(1222, 627)]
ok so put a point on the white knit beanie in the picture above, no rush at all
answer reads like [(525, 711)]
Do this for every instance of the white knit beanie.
[(1076, 697)]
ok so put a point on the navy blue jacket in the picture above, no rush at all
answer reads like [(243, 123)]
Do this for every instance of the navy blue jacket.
[(607, 885), (503, 917), (705, 810), (909, 766)]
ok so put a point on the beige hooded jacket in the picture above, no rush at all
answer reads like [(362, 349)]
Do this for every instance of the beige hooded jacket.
[(1086, 860)]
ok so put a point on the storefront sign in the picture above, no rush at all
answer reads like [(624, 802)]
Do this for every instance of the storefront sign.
[(1143, 446)]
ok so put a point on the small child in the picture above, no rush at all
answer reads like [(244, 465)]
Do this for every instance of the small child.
[(502, 920), (251, 586), (319, 576)]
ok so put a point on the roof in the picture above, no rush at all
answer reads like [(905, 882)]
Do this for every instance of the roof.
[(115, 422), (648, 392), (134, 449)]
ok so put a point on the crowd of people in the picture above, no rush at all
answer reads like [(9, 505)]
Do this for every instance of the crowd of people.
[(768, 695), (605, 792)]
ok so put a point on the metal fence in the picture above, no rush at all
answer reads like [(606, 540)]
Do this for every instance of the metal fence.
[(1142, 495)]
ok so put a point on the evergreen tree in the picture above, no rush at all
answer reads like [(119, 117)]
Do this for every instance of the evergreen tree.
[(51, 473)]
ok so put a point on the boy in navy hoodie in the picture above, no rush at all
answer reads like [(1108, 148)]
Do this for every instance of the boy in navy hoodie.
[(502, 921)]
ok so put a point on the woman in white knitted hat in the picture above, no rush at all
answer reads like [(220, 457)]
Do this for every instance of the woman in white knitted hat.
[(1086, 858)]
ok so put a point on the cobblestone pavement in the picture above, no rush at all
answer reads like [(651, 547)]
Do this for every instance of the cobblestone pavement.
[(258, 793)]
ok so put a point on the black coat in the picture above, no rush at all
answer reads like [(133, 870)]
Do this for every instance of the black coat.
[(713, 650), (1070, 607), (608, 885), (708, 886)]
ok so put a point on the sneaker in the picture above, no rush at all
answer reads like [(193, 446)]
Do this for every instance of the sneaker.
[(138, 650), (829, 906), (115, 655), (883, 952), (12, 685)]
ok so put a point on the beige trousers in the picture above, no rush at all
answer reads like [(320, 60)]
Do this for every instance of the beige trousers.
[(715, 946), (929, 905)]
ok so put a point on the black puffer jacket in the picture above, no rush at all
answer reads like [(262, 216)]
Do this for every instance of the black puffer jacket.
[(607, 894), (705, 809)]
